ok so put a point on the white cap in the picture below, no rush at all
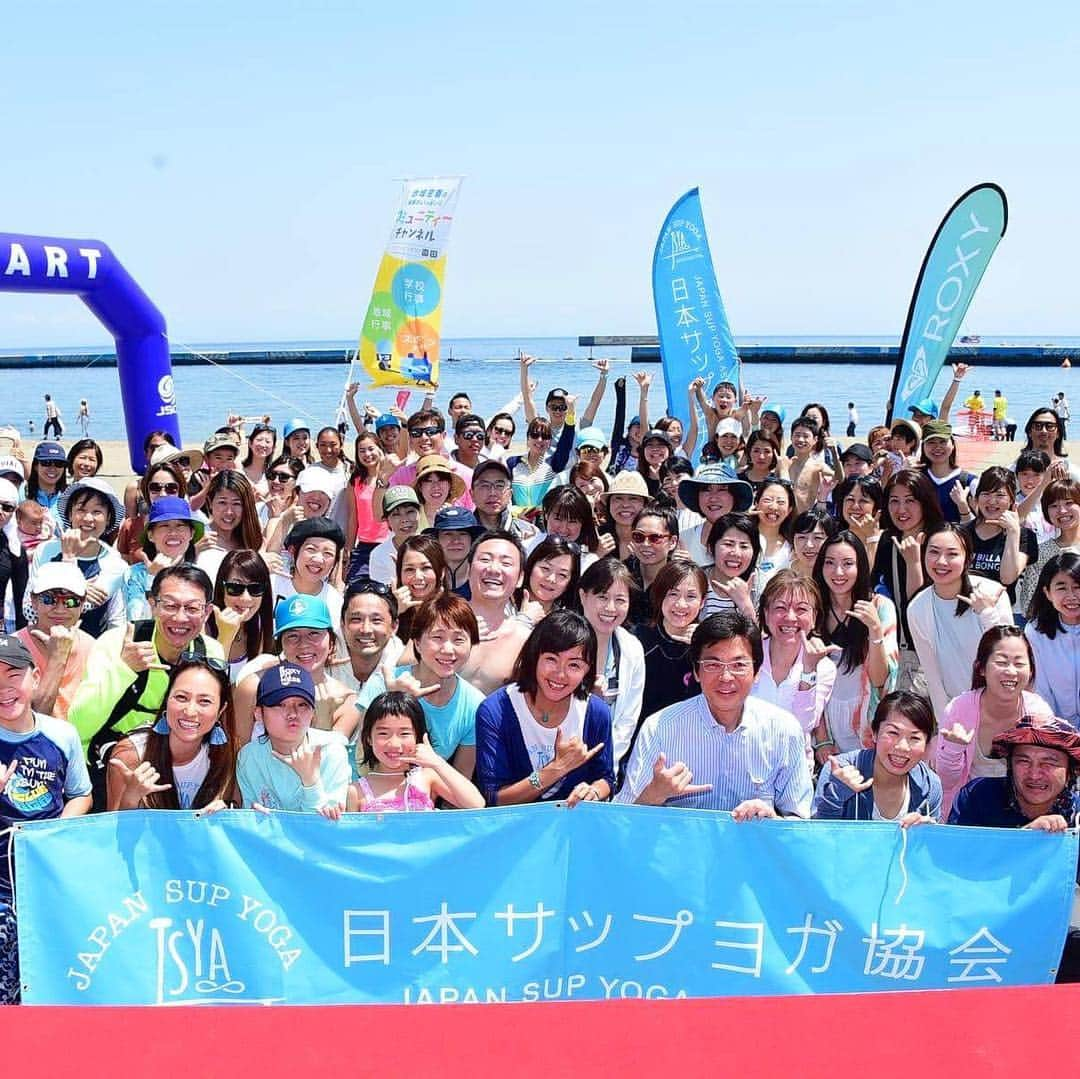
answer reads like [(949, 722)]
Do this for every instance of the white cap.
[(8, 491), (10, 463), (65, 575), (729, 427), (317, 479)]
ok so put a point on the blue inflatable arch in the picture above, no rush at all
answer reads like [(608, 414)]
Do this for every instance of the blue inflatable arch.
[(92, 272)]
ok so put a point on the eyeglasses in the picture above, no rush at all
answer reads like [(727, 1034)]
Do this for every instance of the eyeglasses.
[(554, 407), (499, 487), (7, 507), (163, 488), (473, 435), (424, 432), (238, 588), (65, 599), (282, 477), (649, 538), (1044, 425), (170, 607), (740, 668)]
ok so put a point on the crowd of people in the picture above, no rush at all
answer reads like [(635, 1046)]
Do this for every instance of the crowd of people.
[(433, 616)]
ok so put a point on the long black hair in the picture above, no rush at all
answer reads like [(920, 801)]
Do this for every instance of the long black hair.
[(850, 634), (1041, 611)]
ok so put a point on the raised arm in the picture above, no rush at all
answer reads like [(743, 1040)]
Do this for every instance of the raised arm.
[(589, 416), (526, 388), (690, 435), (644, 381), (618, 425), (959, 370)]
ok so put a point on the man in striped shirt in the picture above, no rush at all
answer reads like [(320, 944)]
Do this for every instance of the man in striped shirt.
[(726, 749)]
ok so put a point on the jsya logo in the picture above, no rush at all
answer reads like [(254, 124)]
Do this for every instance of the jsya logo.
[(166, 390)]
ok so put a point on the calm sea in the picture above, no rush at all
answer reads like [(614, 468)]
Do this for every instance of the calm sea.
[(486, 368)]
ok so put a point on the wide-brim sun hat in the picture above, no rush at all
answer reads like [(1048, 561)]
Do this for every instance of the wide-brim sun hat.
[(165, 453), (99, 487), (172, 509), (715, 476), (1049, 732), (627, 482), (432, 464)]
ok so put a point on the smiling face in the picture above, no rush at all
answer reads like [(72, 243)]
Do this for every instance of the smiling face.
[(1008, 669), (316, 558), (992, 504), (329, 449), (90, 514), (444, 649), (802, 440), (502, 432), (314, 504), (180, 609), (226, 511), (162, 483), (569, 528), (857, 505), (652, 542), (724, 400), (171, 538), (591, 487), (945, 558), (57, 613), (367, 625), (1063, 592), (84, 465), (937, 449), (807, 544), (774, 506), (681, 605), (282, 482), (392, 738), (790, 614), (840, 568), (558, 674), (726, 688), (246, 603), (715, 501), (425, 438), (298, 443), (899, 744), (368, 452), (306, 647), (550, 578), (418, 575), (655, 452), (495, 570), (388, 437), (732, 553), (434, 490), (606, 611), (1039, 775), (262, 445), (1063, 514), (455, 545), (624, 508), (905, 510), (193, 705), (49, 473), (221, 460), (404, 520), (17, 686)]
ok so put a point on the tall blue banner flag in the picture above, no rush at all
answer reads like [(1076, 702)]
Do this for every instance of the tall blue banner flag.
[(695, 339), (526, 903), (955, 262)]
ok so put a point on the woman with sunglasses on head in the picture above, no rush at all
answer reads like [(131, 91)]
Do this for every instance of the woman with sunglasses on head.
[(534, 471), (863, 625), (261, 443), (948, 618), (303, 635), (281, 507), (187, 759), (364, 530), (90, 514), (169, 537), (84, 459), (242, 616), (164, 480)]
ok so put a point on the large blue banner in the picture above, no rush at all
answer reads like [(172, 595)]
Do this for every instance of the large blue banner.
[(951, 271), (524, 904), (695, 339)]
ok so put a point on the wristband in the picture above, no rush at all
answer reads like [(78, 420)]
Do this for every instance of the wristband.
[(877, 640), (815, 746)]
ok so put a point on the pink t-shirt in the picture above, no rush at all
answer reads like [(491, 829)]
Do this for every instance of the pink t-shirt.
[(73, 670), (368, 530)]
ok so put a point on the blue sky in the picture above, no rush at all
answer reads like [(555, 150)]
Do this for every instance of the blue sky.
[(240, 157)]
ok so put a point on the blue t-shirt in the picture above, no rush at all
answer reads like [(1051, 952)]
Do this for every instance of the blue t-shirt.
[(449, 725), (50, 769)]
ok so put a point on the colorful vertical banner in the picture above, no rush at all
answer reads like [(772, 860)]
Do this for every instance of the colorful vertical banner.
[(951, 271), (695, 339), (399, 342)]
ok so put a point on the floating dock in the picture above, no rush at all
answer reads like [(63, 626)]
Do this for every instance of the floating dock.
[(647, 350)]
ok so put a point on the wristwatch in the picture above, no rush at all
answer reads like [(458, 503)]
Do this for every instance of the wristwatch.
[(534, 779)]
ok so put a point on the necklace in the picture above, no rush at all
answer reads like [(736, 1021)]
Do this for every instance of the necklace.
[(376, 772)]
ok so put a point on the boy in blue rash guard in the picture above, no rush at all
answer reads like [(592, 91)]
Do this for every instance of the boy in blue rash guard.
[(292, 766), (42, 775)]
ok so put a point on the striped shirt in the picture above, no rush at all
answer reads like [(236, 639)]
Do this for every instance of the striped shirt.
[(764, 757)]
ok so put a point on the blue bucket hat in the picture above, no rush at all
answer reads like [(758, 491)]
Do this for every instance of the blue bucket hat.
[(715, 475), (171, 508), (455, 519), (277, 684), (301, 612), (926, 406), (294, 425), (386, 420)]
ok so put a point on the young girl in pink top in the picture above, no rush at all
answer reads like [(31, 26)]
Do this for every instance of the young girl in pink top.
[(997, 701), (405, 775)]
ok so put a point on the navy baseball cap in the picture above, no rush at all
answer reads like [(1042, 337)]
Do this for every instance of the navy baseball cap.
[(50, 451), (282, 682)]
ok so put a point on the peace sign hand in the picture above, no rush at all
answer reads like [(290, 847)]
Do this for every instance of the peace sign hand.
[(849, 775), (958, 734), (138, 782), (572, 753)]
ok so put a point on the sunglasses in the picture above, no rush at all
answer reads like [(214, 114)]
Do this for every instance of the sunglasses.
[(649, 538), (543, 438), (50, 464), (282, 477), (424, 432), (7, 507), (183, 461), (238, 588), (505, 432), (163, 488), (1044, 425), (557, 407), (65, 599), (590, 451), (473, 436)]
